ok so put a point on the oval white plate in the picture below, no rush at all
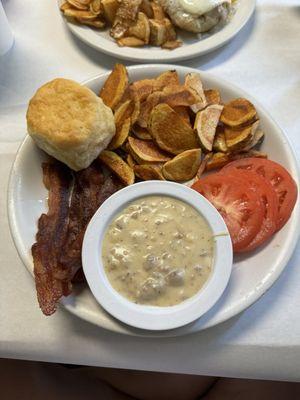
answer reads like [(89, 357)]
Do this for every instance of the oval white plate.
[(252, 274), (192, 45)]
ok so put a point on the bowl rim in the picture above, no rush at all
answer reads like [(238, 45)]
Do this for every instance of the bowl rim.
[(146, 316)]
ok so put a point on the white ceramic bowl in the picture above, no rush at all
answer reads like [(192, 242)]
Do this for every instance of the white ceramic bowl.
[(145, 316)]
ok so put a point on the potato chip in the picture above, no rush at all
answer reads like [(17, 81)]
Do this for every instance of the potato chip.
[(170, 132), (158, 12), (121, 135), (237, 140), (110, 9), (80, 14), (95, 23), (184, 113), (218, 160), (130, 161), (146, 151), (115, 86), (95, 7), (148, 172), (65, 6), (206, 124), (146, 108), (257, 140), (80, 4), (130, 41), (118, 166), (168, 78), (177, 95), (171, 44), (238, 112), (183, 167), (194, 84), (219, 143), (146, 8), (141, 133), (158, 32), (142, 89), (212, 96), (141, 28), (123, 111)]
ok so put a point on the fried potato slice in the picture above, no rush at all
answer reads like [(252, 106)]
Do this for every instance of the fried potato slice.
[(212, 96), (95, 7), (141, 133), (256, 141), (146, 151), (142, 89), (238, 112), (194, 84), (218, 160), (115, 86), (96, 23), (125, 16), (79, 14), (171, 33), (183, 111), (219, 143), (130, 161), (168, 78), (171, 44), (170, 132), (65, 6), (158, 32), (177, 95), (237, 140), (121, 135), (206, 123), (110, 9), (140, 29), (80, 4), (146, 8), (183, 167), (118, 166), (148, 172), (123, 111), (130, 41), (147, 107), (158, 12)]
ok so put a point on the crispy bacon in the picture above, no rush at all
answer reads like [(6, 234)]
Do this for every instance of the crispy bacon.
[(57, 251), (52, 229), (91, 189)]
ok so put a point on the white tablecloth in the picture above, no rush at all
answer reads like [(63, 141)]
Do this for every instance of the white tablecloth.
[(262, 342)]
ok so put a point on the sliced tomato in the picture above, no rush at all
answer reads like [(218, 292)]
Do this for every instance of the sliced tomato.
[(268, 197), (282, 182), (241, 208)]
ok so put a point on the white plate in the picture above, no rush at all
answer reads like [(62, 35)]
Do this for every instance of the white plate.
[(252, 274), (192, 45)]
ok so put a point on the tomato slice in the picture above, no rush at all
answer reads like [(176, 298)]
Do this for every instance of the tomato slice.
[(269, 198), (282, 182), (241, 208)]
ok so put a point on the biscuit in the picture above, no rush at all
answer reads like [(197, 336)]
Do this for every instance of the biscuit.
[(70, 122)]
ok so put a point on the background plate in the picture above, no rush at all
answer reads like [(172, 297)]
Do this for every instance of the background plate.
[(192, 45), (252, 274)]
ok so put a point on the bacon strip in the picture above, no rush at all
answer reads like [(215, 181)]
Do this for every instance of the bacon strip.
[(52, 230), (91, 189), (57, 251)]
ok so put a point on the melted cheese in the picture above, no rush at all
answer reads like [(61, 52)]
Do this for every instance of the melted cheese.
[(200, 7)]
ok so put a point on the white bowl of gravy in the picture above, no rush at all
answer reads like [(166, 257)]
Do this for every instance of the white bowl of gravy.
[(157, 255)]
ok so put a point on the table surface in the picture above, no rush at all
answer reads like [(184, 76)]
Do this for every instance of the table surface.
[(262, 342)]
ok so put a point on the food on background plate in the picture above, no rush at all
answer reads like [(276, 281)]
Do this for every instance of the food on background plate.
[(152, 129), (196, 16), (70, 122), (137, 23), (158, 251)]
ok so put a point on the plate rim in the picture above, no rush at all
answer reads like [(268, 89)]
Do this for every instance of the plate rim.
[(251, 299), (193, 50)]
